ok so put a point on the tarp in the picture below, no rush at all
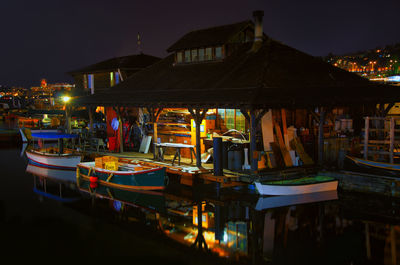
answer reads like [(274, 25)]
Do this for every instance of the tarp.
[(53, 135)]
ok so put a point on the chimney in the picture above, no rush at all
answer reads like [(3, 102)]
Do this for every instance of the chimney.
[(258, 25)]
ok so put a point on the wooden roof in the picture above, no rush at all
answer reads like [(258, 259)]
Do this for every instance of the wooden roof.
[(274, 75), (136, 61), (210, 36)]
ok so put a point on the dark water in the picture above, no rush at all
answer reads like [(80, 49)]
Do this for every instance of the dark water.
[(45, 214)]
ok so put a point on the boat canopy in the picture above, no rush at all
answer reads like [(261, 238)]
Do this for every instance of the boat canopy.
[(53, 135)]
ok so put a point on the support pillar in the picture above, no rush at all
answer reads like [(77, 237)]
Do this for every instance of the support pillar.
[(120, 136), (90, 109), (253, 144), (198, 116), (68, 118), (254, 119), (321, 137), (154, 115)]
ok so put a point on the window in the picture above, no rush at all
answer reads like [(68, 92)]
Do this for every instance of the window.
[(187, 56), (117, 79), (232, 119), (218, 52), (90, 82), (201, 55), (179, 58), (208, 55), (194, 55), (114, 78), (240, 121), (112, 81)]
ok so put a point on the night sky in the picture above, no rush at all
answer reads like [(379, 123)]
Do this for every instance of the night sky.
[(47, 38)]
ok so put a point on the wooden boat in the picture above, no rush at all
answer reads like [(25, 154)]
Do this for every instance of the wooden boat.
[(57, 174), (375, 166), (129, 176), (269, 202), (147, 199), (54, 184), (296, 186), (56, 158)]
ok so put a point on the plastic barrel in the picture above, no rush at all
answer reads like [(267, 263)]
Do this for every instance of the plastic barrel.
[(217, 155)]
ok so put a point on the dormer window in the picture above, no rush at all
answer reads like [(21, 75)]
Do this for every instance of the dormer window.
[(199, 55), (179, 57), (218, 53), (187, 56), (194, 55), (208, 55)]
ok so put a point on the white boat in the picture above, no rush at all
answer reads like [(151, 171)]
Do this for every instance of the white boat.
[(57, 158), (57, 174), (268, 202), (296, 186)]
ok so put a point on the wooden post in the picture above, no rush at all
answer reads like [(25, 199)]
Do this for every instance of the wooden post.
[(253, 145), (366, 137), (120, 136), (321, 137), (154, 115), (393, 244), (90, 109), (68, 118), (391, 150), (367, 241), (198, 116), (254, 118)]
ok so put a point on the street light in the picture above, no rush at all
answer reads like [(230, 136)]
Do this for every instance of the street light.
[(66, 99)]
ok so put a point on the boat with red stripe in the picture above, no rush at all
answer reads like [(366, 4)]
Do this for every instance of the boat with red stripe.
[(129, 176)]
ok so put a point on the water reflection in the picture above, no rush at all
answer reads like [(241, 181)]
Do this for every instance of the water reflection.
[(320, 228)]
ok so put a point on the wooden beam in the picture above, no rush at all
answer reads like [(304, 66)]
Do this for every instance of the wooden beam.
[(321, 136)]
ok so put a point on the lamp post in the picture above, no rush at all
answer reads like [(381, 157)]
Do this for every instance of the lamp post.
[(66, 99)]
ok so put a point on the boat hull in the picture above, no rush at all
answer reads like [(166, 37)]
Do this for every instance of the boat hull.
[(375, 166), (148, 199), (276, 189), (269, 202), (57, 174), (152, 179), (64, 162)]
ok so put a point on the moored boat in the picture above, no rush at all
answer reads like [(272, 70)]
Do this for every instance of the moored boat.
[(269, 202), (56, 158), (375, 166), (128, 176), (147, 199), (301, 185), (56, 174)]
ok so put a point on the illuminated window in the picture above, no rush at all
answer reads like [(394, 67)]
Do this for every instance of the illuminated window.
[(218, 52), (114, 78), (208, 55), (117, 79), (90, 82), (201, 55), (240, 121), (179, 57), (232, 119), (187, 56), (194, 55)]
